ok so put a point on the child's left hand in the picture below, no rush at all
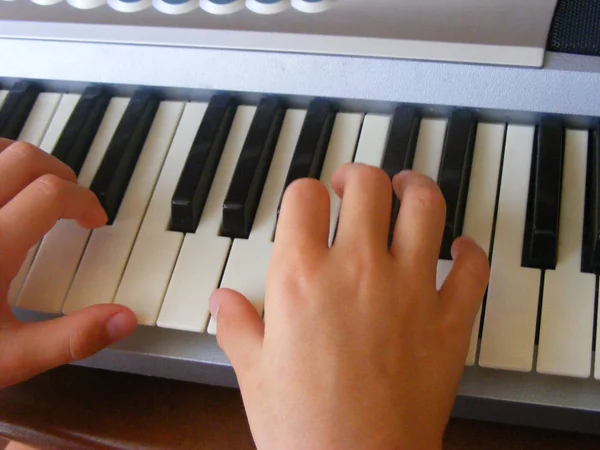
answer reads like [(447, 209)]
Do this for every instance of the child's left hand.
[(35, 192)]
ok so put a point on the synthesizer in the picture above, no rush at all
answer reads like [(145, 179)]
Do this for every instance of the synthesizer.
[(175, 111)]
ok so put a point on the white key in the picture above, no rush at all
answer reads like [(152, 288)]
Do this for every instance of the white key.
[(567, 319), (428, 157), (59, 254), (512, 302), (340, 151), (3, 94), (108, 249), (373, 138), (248, 262), (36, 125), (155, 250), (39, 118), (430, 144), (203, 254), (481, 200)]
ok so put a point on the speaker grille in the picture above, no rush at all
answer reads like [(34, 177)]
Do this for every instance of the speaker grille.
[(576, 27)]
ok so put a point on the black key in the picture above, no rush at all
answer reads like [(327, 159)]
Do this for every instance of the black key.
[(400, 151), (455, 174), (590, 250), (199, 170), (540, 241), (251, 171), (79, 132), (122, 154), (16, 108), (313, 141)]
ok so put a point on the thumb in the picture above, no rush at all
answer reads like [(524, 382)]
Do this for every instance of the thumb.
[(464, 288), (30, 349), (240, 329)]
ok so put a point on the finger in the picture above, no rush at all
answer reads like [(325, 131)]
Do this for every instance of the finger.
[(33, 348), (304, 216), (420, 224), (22, 163), (463, 290), (5, 143), (366, 194), (34, 211), (240, 329)]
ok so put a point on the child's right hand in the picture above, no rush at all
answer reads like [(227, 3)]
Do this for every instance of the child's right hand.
[(358, 348)]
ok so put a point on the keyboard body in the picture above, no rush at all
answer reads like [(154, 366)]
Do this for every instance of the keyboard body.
[(502, 73)]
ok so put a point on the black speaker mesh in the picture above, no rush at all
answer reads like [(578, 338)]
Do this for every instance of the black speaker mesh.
[(576, 27)]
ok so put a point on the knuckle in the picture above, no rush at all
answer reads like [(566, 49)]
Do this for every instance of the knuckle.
[(24, 150), (477, 265), (51, 186), (428, 197), (76, 348)]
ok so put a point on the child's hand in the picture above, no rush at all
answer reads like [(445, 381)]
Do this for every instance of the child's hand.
[(358, 349), (35, 191)]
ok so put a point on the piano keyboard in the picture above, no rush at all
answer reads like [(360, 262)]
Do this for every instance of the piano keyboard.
[(192, 191)]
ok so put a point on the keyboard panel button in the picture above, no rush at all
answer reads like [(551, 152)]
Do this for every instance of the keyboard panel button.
[(267, 6), (46, 2), (455, 175), (16, 108), (241, 202), (175, 7), (86, 4), (109, 247), (541, 229), (567, 318), (112, 178), (221, 7), (512, 301), (156, 247), (312, 6), (129, 6), (201, 164), (60, 251), (81, 128), (202, 258)]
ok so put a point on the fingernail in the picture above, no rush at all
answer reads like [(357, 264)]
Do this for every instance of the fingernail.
[(118, 326), (213, 305)]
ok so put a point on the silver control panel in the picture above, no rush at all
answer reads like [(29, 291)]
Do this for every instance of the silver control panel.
[(498, 32)]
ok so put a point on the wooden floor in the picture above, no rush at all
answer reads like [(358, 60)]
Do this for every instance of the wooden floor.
[(161, 414)]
